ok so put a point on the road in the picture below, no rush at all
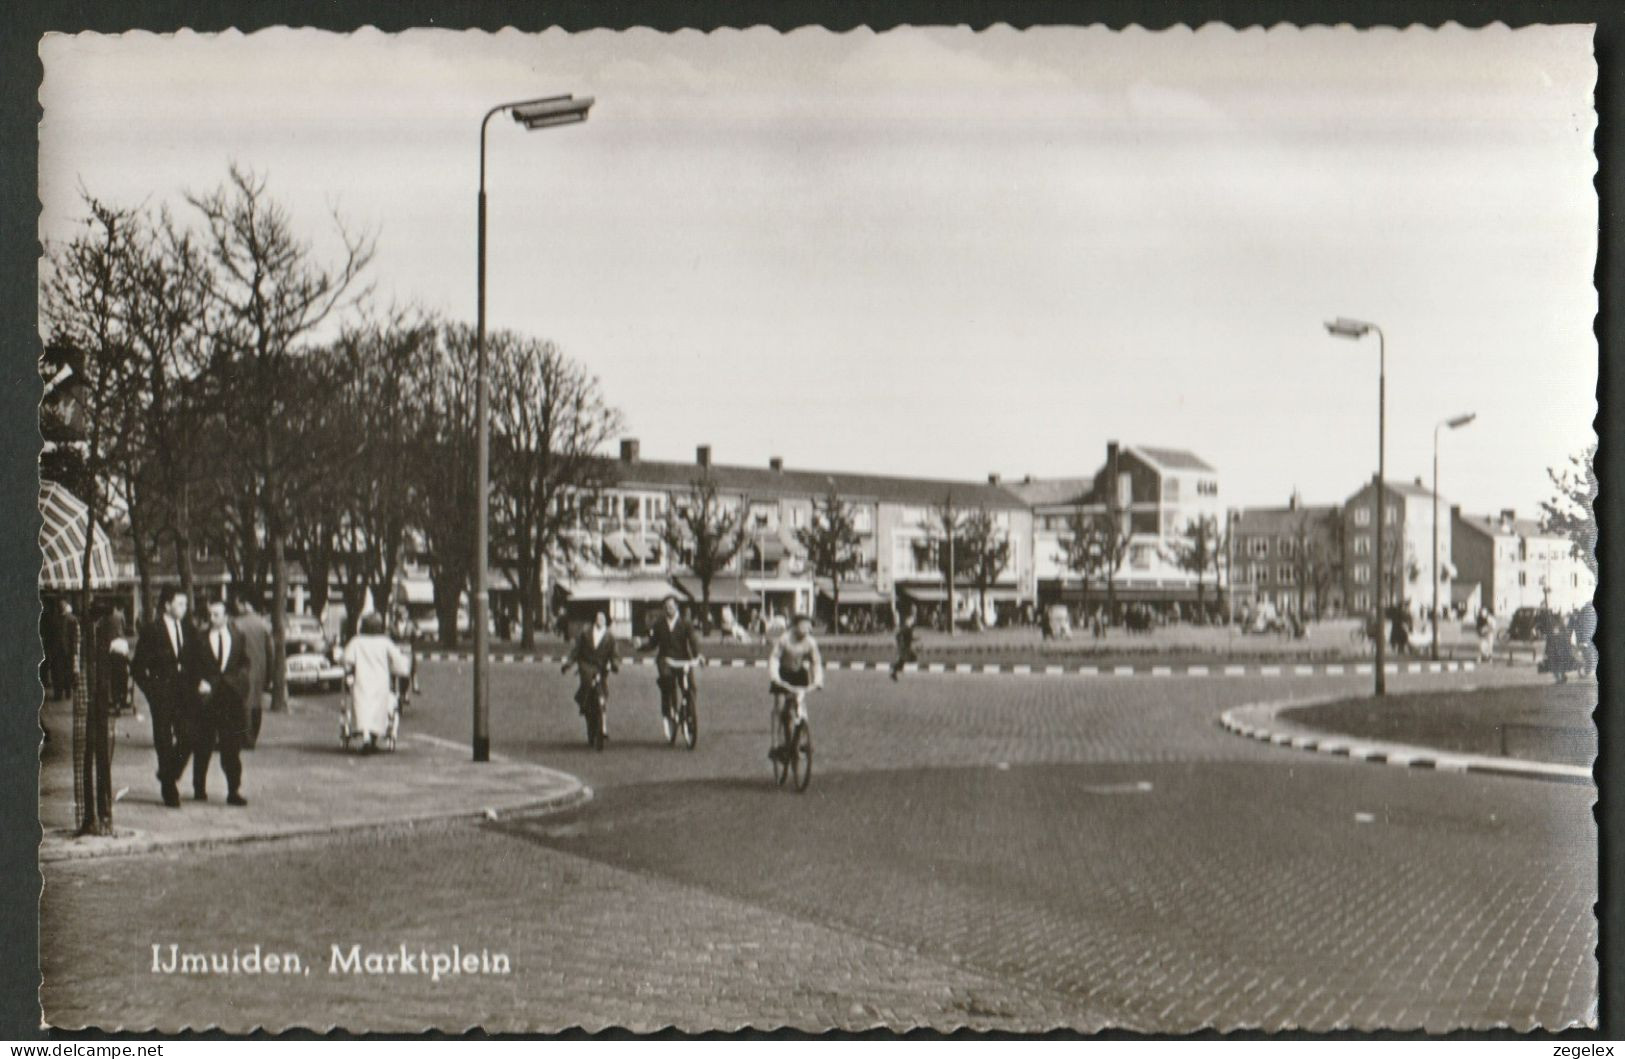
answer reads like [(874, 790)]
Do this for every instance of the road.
[(1000, 852)]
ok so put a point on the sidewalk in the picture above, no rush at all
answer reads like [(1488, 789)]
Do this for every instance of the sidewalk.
[(299, 781)]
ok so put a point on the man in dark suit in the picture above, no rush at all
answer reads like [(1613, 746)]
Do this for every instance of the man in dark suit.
[(673, 638), (160, 669), (219, 668)]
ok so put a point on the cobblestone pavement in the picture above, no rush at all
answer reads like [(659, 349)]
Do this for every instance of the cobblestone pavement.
[(1004, 853)]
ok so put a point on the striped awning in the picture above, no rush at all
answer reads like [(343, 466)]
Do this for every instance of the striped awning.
[(62, 540)]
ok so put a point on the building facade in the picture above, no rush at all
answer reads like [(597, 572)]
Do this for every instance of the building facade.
[(1517, 564), (1154, 495), (1290, 558), (618, 557), (1408, 533)]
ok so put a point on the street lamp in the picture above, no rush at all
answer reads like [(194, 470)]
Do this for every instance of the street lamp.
[(1445, 424), (532, 114), (1343, 327)]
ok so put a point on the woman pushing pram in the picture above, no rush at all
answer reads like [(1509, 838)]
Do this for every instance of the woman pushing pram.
[(372, 663)]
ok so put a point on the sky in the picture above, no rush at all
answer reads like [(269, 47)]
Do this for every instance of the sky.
[(937, 252)]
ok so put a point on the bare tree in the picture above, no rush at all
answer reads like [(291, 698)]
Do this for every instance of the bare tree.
[(705, 533), (831, 539), (987, 554), (1197, 551), (550, 423), (1317, 557), (165, 317), (442, 462), (945, 525), (267, 297), (1095, 546)]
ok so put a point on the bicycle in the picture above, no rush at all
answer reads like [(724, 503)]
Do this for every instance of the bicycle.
[(596, 708), (685, 719), (790, 747)]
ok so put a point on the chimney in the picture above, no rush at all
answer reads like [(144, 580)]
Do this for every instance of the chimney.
[(1455, 512), (1507, 516), (629, 450), (1419, 483), (776, 463), (702, 455), (993, 479), (1292, 501), (1026, 479), (1111, 453)]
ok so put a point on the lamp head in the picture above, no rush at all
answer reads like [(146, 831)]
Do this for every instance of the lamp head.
[(1343, 327), (1461, 420), (555, 110)]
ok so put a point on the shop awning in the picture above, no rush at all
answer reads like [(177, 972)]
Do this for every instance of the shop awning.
[(723, 589), (758, 585), (857, 593), (416, 590), (636, 589), (62, 540)]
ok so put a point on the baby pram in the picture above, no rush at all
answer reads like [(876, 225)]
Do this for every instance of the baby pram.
[(348, 728)]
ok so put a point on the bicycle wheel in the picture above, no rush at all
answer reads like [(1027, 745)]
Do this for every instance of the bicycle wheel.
[(591, 716), (781, 761), (801, 755), (691, 718), (668, 723)]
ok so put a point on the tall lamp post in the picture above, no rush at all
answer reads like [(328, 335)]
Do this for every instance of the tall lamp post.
[(1343, 327), (533, 114), (1443, 424)]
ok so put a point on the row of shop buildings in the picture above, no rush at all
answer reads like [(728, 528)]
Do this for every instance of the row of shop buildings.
[(1315, 560)]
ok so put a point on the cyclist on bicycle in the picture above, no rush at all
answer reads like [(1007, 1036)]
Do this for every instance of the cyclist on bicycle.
[(795, 666), (674, 639), (595, 656)]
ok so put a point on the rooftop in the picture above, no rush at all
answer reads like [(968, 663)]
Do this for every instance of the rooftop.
[(1041, 492), (1273, 521), (1492, 526), (1174, 459), (1412, 488), (765, 482)]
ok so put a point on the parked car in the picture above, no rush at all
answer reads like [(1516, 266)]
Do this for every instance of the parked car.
[(1530, 623), (313, 669), (312, 659)]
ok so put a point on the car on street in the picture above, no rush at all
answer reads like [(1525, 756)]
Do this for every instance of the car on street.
[(1530, 623), (311, 664)]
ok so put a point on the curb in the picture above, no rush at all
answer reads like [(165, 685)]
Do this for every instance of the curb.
[(1259, 721), (1283, 669), (575, 793)]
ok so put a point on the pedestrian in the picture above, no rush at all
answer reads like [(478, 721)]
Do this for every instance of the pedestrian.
[(1486, 636), (1585, 638), (160, 670), (255, 632), (1399, 629), (1559, 658), (376, 663), (67, 647), (219, 675), (905, 641)]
